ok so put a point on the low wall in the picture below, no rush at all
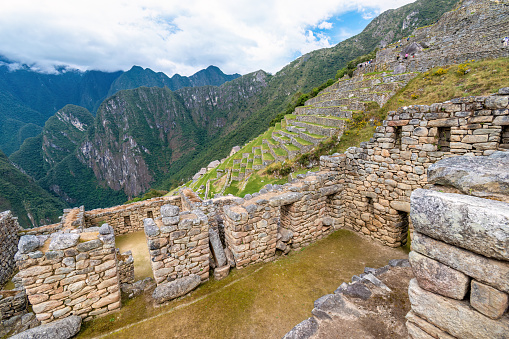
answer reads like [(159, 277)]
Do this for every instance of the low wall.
[(70, 273), (125, 267), (178, 244), (460, 253), (9, 237), (129, 218)]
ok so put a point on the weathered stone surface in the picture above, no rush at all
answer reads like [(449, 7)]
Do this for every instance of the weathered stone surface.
[(169, 211), (476, 224), (89, 245), (105, 229), (357, 290), (221, 272), (478, 176), (439, 278), (455, 317), (47, 305), (401, 206), (217, 247), (286, 234), (488, 300), (285, 199), (151, 229), (63, 241), (303, 330), (171, 290), (490, 271), (59, 329), (419, 328), (28, 243)]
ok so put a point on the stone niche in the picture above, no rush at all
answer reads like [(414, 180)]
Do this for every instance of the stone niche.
[(70, 273), (460, 250), (178, 244)]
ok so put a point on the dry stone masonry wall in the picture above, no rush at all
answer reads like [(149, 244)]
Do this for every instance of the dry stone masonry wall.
[(9, 229), (70, 273), (178, 244), (460, 253), (129, 218)]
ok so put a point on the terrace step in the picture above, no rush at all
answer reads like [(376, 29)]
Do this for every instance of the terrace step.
[(314, 128)]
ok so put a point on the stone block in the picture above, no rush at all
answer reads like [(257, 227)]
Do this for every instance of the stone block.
[(61, 329), (490, 271), (63, 241), (169, 211), (400, 206), (438, 278), (453, 316), (478, 176), (285, 199), (176, 288), (419, 328), (28, 243), (479, 225), (453, 122), (488, 300), (150, 227)]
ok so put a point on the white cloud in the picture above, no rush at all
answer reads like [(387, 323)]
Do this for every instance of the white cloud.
[(168, 35), (325, 25)]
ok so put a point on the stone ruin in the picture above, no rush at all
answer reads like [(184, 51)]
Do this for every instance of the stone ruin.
[(72, 268)]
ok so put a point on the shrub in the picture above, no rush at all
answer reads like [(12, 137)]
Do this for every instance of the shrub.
[(440, 71), (463, 69)]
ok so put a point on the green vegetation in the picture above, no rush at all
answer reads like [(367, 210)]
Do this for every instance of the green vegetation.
[(27, 200), (152, 193)]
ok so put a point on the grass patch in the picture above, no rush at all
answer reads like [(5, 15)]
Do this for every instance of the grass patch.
[(291, 147), (303, 142), (267, 156), (280, 152), (474, 78)]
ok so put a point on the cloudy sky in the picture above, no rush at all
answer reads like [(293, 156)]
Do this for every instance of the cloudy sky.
[(177, 36)]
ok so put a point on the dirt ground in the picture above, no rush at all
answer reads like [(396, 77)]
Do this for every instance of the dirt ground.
[(260, 301), (137, 243)]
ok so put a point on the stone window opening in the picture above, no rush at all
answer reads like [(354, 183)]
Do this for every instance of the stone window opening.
[(444, 139), (371, 206), (403, 224), (150, 214), (127, 221), (397, 136), (504, 137)]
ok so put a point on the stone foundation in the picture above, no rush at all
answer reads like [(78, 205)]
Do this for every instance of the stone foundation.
[(9, 238)]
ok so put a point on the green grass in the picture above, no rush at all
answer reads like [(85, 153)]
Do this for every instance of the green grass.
[(291, 147), (267, 156), (303, 142), (288, 132), (256, 183), (315, 136), (257, 152), (233, 188), (257, 161), (280, 152)]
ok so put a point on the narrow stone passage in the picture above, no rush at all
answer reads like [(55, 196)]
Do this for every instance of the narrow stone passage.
[(260, 301)]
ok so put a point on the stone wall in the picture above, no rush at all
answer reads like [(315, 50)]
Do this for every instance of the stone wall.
[(9, 229), (125, 267), (70, 273), (178, 244), (281, 217), (380, 175), (129, 218), (460, 252)]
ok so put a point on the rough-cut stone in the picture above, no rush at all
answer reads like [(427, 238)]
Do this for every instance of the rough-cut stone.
[(89, 245), (285, 199), (217, 247), (419, 328), (221, 272), (439, 278), (490, 271), (286, 234), (303, 330), (169, 211), (479, 176), (28, 243), (59, 329), (488, 300), (151, 229), (455, 317), (63, 241), (357, 290), (171, 290), (105, 229), (476, 224)]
